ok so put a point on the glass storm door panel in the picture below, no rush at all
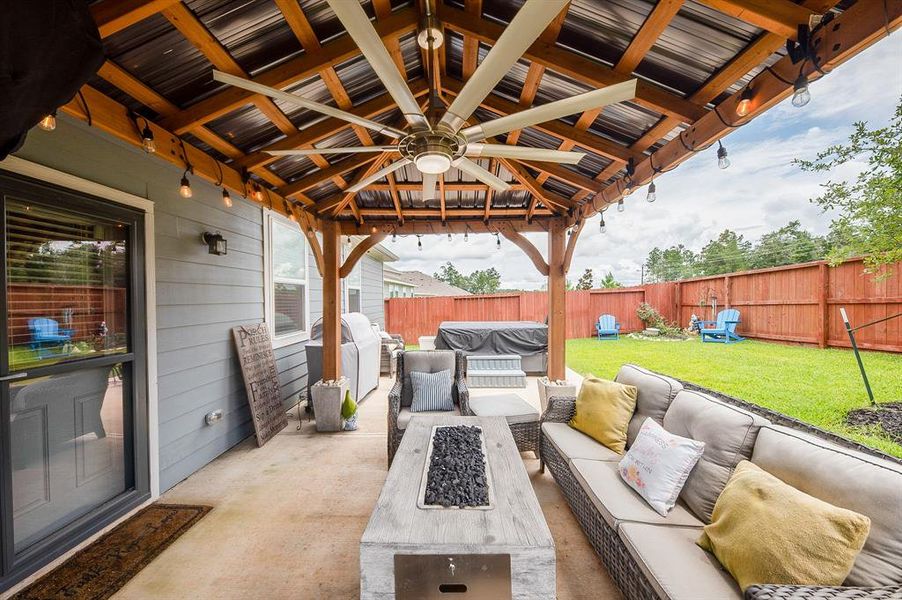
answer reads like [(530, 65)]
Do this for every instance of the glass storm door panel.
[(68, 365)]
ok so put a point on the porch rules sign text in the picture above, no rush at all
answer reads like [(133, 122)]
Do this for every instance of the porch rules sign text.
[(258, 365)]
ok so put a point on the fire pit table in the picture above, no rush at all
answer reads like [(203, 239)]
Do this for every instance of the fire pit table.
[(499, 549)]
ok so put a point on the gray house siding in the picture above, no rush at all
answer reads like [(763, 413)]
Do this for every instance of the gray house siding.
[(371, 301), (200, 297)]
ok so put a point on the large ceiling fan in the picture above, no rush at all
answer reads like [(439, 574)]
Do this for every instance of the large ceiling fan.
[(435, 144)]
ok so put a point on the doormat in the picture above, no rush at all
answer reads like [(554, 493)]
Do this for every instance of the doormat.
[(102, 568)]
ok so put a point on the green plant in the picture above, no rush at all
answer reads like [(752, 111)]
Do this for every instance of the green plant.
[(652, 318)]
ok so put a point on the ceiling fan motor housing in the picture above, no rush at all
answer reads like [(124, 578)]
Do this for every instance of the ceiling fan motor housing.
[(432, 151)]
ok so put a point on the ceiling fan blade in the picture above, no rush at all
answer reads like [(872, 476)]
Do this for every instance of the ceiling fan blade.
[(346, 150), (277, 94), (357, 23), (430, 181), (523, 153), (553, 110), (526, 26), (377, 175), (470, 168)]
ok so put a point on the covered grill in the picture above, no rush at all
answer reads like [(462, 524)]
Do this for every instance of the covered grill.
[(361, 350)]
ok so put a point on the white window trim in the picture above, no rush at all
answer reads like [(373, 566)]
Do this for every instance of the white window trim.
[(281, 341)]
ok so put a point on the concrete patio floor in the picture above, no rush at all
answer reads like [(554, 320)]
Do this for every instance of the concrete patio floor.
[(288, 518)]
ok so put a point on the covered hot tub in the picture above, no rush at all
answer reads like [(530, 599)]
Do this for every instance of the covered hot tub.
[(527, 339)]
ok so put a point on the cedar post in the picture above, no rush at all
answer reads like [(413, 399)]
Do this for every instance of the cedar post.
[(823, 313), (726, 291), (331, 300), (557, 301)]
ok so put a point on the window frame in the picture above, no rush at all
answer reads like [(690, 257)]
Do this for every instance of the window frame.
[(270, 219)]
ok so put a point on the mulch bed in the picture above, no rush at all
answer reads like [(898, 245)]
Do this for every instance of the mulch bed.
[(101, 569), (888, 416)]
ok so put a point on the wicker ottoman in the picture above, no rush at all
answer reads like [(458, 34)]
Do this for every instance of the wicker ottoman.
[(522, 418)]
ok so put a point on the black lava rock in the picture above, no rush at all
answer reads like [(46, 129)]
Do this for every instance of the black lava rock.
[(456, 475)]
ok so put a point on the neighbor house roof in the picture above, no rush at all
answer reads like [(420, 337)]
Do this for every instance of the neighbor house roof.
[(424, 285)]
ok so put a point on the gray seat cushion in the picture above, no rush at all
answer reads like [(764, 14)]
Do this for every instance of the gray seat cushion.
[(729, 435), (617, 502), (511, 406), (405, 414), (576, 444), (848, 479), (425, 361), (675, 566), (656, 392)]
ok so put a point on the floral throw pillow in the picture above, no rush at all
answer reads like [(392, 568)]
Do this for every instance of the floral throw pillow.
[(658, 463)]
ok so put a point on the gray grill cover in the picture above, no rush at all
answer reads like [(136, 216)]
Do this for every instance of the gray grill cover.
[(361, 350), (527, 339)]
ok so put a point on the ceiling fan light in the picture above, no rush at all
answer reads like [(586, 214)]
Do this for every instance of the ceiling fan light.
[(433, 163), (430, 29)]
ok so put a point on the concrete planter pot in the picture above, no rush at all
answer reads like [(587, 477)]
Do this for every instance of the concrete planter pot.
[(549, 389), (327, 399)]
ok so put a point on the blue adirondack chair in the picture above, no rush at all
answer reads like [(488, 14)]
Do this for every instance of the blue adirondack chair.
[(607, 328), (46, 335), (723, 330)]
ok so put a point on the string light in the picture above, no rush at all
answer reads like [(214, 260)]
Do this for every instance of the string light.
[(185, 186), (394, 237), (48, 123), (419, 242), (745, 102), (449, 236), (652, 192), (226, 198), (257, 193), (497, 240), (620, 206), (601, 226), (293, 217), (466, 235), (147, 139), (800, 95), (722, 161)]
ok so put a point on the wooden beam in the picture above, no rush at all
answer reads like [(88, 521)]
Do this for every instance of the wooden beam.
[(285, 74), (315, 246), (527, 247), (552, 200), (656, 22), (112, 16), (359, 250), (314, 179), (557, 301), (571, 244), (111, 117), (572, 65), (441, 195), (855, 29), (395, 198), (411, 227), (454, 186), (490, 194), (338, 202), (450, 213), (331, 300), (781, 17), (566, 175), (471, 44)]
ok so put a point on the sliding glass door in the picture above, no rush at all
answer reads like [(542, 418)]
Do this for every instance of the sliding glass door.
[(72, 376)]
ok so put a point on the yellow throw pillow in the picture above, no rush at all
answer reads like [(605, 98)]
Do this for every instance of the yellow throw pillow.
[(765, 531), (603, 411)]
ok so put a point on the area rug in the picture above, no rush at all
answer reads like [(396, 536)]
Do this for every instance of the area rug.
[(102, 568)]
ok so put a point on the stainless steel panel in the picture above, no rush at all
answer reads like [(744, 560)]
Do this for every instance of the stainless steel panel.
[(443, 576)]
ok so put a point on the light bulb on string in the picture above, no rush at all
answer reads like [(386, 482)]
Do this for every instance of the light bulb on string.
[(722, 161), (449, 236), (226, 198), (185, 186), (394, 237), (601, 226), (147, 142), (466, 235), (48, 123), (800, 95), (497, 240), (652, 195), (620, 206), (744, 106), (419, 242)]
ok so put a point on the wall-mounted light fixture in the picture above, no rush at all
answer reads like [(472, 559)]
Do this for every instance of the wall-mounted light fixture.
[(216, 244)]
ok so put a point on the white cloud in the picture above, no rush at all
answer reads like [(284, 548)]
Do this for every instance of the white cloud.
[(760, 192)]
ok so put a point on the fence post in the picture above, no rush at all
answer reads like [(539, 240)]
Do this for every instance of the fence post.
[(726, 291), (824, 320)]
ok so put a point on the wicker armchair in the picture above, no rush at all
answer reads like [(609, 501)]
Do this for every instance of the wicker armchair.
[(400, 394), (389, 347), (623, 568)]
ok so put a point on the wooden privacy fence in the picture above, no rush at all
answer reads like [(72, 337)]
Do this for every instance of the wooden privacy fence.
[(796, 303)]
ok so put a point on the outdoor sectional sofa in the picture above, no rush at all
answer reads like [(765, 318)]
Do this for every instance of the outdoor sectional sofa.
[(650, 556)]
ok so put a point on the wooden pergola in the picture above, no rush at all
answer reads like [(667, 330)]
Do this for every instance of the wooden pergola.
[(223, 133)]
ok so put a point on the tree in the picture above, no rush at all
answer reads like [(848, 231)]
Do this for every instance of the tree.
[(485, 281), (670, 264), (586, 280), (870, 207), (609, 282), (728, 253), (786, 246), (450, 275)]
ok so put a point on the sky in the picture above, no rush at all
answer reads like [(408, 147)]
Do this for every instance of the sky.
[(760, 191)]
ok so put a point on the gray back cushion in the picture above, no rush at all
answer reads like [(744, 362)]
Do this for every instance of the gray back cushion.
[(425, 361), (729, 434), (848, 479), (656, 392)]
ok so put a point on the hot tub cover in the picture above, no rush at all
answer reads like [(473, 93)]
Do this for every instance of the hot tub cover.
[(524, 338)]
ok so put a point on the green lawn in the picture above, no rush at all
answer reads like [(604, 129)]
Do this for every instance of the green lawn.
[(817, 386)]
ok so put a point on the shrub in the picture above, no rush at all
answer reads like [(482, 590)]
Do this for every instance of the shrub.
[(652, 318)]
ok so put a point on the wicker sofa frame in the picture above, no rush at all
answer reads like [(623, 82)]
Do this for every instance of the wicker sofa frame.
[(459, 392), (626, 573)]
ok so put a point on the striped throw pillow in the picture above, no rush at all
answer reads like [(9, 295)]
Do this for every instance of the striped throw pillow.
[(431, 391)]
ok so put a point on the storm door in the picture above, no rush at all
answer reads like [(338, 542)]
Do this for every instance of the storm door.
[(72, 375)]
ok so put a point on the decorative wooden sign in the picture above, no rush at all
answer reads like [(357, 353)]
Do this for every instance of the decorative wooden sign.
[(258, 366)]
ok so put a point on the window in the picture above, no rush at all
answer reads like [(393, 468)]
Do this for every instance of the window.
[(354, 287), (286, 286)]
